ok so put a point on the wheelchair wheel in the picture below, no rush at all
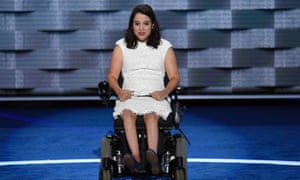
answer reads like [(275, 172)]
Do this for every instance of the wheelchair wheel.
[(179, 174), (106, 155), (105, 175), (181, 155), (106, 148)]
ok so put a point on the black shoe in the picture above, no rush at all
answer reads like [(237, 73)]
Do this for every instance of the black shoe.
[(153, 160), (131, 163)]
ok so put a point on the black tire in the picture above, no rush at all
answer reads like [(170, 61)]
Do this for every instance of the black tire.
[(106, 148), (179, 174), (106, 155), (105, 175)]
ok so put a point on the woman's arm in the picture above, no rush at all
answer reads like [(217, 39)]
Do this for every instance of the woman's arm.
[(114, 73), (173, 76)]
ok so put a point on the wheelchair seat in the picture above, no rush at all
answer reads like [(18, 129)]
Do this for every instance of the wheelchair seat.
[(167, 124)]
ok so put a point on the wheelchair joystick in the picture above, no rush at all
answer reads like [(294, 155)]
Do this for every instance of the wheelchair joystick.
[(104, 92)]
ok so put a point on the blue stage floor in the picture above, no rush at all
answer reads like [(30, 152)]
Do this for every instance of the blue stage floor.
[(230, 140)]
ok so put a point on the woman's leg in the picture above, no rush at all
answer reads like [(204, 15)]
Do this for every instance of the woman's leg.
[(151, 122), (129, 121)]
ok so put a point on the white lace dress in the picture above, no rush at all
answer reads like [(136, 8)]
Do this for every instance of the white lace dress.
[(143, 72)]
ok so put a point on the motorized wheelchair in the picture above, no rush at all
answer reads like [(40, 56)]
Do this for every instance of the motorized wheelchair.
[(171, 152)]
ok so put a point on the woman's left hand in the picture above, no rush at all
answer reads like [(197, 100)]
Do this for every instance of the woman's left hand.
[(158, 95)]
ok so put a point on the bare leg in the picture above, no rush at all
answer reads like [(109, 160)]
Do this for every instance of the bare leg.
[(129, 121), (151, 122)]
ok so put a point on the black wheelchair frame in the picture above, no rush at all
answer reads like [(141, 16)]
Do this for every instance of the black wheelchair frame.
[(172, 151)]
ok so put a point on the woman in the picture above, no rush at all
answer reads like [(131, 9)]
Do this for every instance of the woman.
[(144, 58)]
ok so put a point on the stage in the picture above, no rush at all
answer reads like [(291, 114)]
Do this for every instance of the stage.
[(230, 139)]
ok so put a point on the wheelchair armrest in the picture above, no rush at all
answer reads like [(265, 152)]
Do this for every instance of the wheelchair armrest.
[(176, 106), (174, 94)]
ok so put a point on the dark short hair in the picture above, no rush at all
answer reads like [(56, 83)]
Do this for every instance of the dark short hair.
[(154, 38)]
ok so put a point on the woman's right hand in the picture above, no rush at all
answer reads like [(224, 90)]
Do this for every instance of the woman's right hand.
[(124, 94)]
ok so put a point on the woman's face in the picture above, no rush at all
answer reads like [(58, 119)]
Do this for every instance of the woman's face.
[(142, 26)]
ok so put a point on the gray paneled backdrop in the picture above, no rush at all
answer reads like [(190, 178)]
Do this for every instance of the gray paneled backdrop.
[(63, 47)]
